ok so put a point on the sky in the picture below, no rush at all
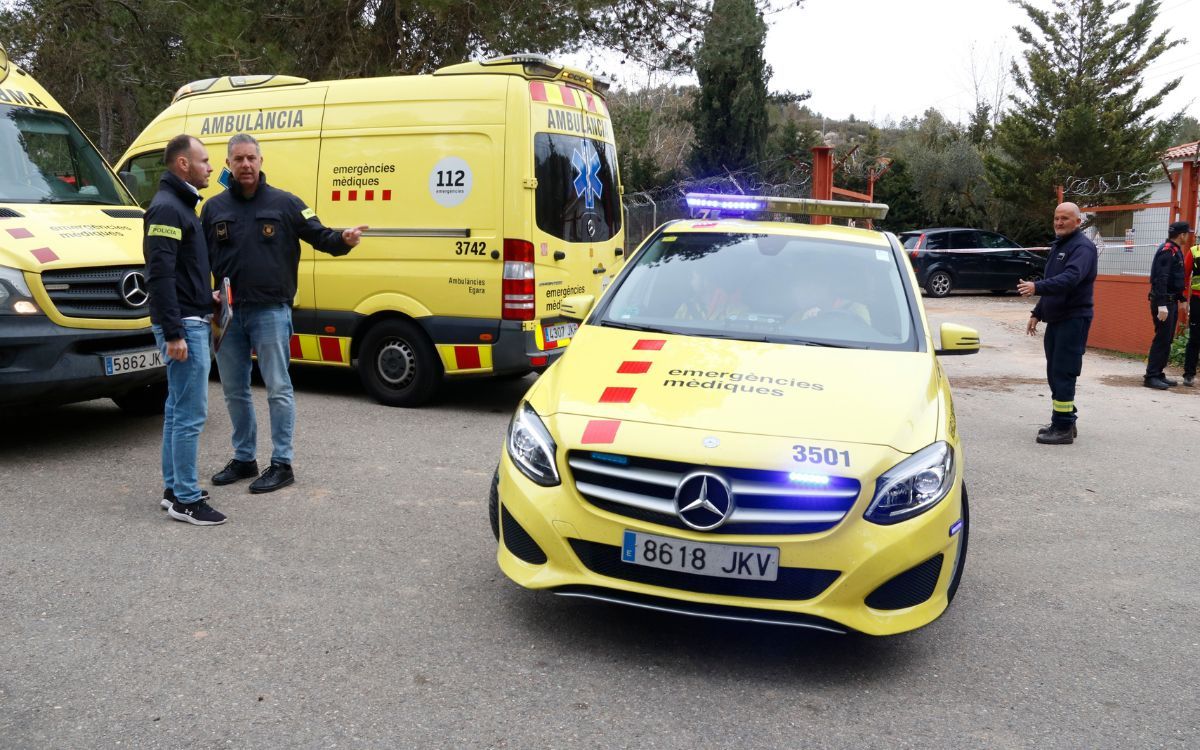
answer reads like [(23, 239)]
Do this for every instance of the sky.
[(883, 59)]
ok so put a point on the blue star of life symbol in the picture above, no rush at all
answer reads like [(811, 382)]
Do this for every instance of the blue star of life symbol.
[(587, 178)]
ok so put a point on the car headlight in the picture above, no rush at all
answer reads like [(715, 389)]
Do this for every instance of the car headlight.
[(15, 297), (531, 448), (913, 486)]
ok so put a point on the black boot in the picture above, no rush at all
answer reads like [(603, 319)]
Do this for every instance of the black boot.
[(1056, 436), (1049, 427)]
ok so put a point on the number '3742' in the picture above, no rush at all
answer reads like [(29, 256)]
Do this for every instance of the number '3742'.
[(818, 456)]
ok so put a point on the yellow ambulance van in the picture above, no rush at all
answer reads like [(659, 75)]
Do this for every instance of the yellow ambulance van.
[(491, 189), (74, 324)]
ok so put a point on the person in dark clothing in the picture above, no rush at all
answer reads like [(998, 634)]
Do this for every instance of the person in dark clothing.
[(177, 273), (1166, 301), (254, 230), (1066, 306)]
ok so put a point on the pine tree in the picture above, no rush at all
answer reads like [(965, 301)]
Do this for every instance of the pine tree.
[(1080, 108), (730, 114)]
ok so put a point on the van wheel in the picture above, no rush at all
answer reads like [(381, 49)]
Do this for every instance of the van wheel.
[(398, 365), (960, 561), (939, 284), (144, 401)]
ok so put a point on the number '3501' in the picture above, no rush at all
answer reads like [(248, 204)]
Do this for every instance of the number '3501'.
[(816, 455)]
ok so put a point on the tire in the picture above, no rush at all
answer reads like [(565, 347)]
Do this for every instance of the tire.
[(398, 365), (939, 284), (960, 562), (144, 401), (494, 505)]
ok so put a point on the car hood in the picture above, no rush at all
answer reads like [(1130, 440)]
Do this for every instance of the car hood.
[(46, 237), (875, 397)]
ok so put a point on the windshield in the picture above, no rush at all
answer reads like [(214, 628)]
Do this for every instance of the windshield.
[(45, 159), (577, 195), (763, 287)]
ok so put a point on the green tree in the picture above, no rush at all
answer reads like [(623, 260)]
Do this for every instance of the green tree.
[(1079, 109), (730, 114)]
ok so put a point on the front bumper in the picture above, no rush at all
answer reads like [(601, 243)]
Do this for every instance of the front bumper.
[(42, 362), (552, 539)]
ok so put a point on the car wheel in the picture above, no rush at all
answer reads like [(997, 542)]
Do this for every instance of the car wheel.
[(144, 401), (939, 284), (398, 365), (960, 560), (494, 505)]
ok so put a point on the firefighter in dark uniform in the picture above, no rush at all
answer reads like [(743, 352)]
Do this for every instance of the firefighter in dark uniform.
[(1066, 306), (1166, 298), (253, 231)]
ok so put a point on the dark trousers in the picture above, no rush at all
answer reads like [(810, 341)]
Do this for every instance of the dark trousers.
[(1192, 353), (1065, 342), (1164, 332)]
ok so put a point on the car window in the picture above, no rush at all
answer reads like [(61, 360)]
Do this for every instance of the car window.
[(763, 287), (935, 241), (146, 169), (995, 241), (963, 240), (910, 240)]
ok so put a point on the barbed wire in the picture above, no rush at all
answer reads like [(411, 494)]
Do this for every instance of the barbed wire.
[(1114, 182)]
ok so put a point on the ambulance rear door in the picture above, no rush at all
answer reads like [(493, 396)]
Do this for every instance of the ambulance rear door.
[(577, 233)]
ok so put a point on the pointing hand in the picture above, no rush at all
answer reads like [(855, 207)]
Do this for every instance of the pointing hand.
[(352, 236)]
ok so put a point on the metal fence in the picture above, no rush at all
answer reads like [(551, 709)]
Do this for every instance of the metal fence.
[(1127, 240)]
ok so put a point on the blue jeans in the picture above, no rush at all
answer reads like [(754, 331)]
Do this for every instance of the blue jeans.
[(185, 411), (267, 330)]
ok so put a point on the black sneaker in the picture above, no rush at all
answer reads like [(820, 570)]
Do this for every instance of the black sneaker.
[(199, 513), (275, 477), (235, 470), (169, 497), (1156, 383)]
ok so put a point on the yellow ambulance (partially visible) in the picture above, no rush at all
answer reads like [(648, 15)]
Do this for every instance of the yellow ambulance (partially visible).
[(74, 321), (491, 189)]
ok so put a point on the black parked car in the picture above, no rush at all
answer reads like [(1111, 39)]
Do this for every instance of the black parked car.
[(955, 258)]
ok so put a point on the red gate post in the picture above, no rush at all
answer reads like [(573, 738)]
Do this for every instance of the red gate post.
[(822, 179)]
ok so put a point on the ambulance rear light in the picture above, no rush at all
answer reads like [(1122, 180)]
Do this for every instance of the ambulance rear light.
[(716, 203), (517, 287)]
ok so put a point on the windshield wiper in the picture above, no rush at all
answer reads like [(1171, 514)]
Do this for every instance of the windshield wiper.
[(632, 327), (79, 201)]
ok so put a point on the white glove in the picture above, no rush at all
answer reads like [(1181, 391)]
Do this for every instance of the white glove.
[(1162, 312)]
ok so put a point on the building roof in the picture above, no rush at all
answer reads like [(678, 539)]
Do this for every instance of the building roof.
[(1184, 151)]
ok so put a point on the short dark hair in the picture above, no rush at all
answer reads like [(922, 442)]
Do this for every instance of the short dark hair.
[(176, 147)]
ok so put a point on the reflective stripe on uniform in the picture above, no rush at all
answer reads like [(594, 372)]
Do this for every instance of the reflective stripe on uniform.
[(308, 213), (1064, 406), (163, 230)]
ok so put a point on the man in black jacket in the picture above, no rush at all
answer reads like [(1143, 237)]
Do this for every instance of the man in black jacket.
[(1066, 306), (253, 230), (177, 272), (1166, 299)]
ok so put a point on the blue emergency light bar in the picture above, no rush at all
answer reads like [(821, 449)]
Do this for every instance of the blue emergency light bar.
[(716, 203)]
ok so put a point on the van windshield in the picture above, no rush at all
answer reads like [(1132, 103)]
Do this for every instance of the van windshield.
[(577, 194), (764, 287), (45, 159)]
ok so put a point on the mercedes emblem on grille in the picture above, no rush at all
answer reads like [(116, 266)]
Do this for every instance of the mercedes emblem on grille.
[(133, 289), (703, 501)]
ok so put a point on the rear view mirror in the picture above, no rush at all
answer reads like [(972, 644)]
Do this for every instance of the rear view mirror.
[(577, 306), (956, 339)]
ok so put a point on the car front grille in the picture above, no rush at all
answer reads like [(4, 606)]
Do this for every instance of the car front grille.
[(93, 293), (793, 584), (766, 502)]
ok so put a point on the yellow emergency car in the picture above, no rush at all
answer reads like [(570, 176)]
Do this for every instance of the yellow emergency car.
[(752, 424), (491, 189), (74, 321)]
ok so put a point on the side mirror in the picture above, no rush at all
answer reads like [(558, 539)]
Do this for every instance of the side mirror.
[(577, 306), (957, 339), (130, 180)]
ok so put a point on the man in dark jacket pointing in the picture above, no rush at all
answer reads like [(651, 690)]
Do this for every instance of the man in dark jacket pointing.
[(1066, 306), (253, 231)]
